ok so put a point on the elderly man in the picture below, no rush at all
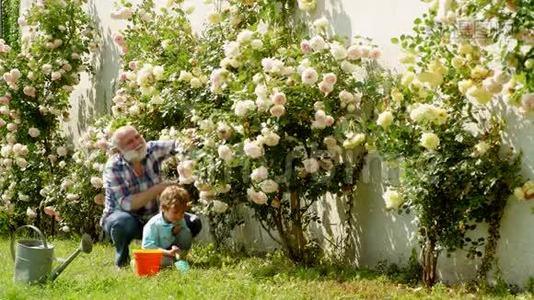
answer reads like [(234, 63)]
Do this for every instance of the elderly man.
[(132, 182)]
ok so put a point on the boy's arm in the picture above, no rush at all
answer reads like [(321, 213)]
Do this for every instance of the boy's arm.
[(150, 237)]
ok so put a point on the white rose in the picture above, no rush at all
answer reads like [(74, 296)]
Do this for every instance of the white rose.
[(256, 197), (321, 24), (157, 71), (253, 149), (429, 140), (225, 152), (354, 52), (519, 193), (65, 229), (478, 94), (325, 87), (338, 51), (278, 110), (206, 195), (46, 68), (72, 196), (269, 186), (309, 76), (375, 53), (278, 98), (55, 76), (354, 141), (271, 139), (185, 76), (11, 127), (185, 171), (22, 21), (243, 107), (219, 206), (214, 17), (256, 44), (259, 174), (311, 165), (482, 147), (31, 213), (307, 5), (345, 96), (21, 162), (195, 83), (433, 79), (464, 85), (97, 182), (34, 132), (8, 163), (385, 119), (348, 68), (244, 36), (29, 91), (317, 43), (330, 78), (393, 199)]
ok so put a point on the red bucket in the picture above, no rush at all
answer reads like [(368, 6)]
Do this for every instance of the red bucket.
[(147, 261)]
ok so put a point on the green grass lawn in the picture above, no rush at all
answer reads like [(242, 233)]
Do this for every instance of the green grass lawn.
[(216, 276)]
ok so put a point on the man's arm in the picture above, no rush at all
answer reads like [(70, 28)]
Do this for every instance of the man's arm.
[(117, 189), (142, 198), (163, 149)]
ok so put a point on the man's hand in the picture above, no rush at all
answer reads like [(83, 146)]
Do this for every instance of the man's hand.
[(142, 198)]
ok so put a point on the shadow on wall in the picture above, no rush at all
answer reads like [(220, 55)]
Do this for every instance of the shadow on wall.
[(94, 98), (519, 134), (337, 16), (375, 234)]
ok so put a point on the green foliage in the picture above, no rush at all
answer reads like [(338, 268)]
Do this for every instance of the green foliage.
[(456, 170), (9, 23), (35, 90)]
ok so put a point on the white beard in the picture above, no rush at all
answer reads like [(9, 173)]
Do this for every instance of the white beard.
[(135, 155)]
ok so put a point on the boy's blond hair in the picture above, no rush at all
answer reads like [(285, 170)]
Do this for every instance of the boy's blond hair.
[(173, 195)]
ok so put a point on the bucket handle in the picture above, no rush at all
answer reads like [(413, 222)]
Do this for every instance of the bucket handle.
[(43, 239)]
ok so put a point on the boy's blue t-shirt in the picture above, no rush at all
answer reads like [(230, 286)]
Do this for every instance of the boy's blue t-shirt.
[(157, 233)]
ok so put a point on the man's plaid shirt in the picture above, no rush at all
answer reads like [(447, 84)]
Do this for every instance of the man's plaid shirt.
[(121, 183)]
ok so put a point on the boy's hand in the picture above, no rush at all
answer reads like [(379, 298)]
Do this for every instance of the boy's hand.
[(173, 251)]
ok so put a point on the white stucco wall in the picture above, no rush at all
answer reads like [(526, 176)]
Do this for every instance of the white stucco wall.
[(379, 235)]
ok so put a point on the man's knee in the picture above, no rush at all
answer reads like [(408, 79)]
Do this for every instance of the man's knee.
[(124, 226), (194, 224), (184, 240)]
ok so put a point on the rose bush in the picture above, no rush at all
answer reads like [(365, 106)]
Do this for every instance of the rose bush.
[(34, 98), (439, 124), (268, 115)]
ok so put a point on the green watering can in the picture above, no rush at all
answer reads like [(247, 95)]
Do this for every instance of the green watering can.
[(33, 258)]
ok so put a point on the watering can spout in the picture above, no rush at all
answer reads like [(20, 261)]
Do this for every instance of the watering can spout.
[(86, 246)]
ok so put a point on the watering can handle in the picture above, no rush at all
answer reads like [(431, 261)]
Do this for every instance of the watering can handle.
[(43, 239)]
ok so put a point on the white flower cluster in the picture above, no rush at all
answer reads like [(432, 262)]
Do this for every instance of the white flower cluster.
[(525, 192), (428, 114)]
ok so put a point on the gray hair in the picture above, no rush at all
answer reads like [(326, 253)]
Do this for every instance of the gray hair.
[(115, 137)]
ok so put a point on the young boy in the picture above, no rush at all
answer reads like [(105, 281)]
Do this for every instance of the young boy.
[(168, 230)]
